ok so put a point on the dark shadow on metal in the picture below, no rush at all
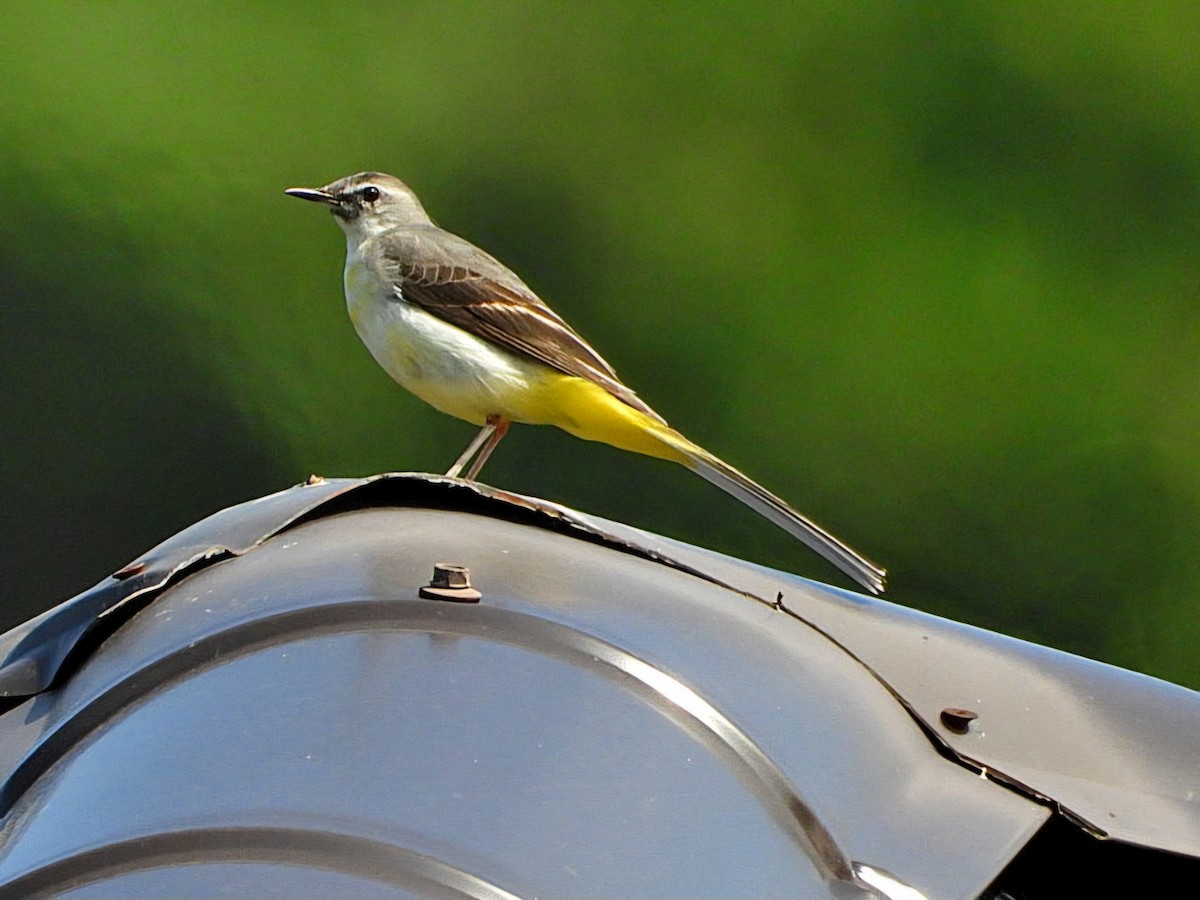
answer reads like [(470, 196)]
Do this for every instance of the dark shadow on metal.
[(1063, 861)]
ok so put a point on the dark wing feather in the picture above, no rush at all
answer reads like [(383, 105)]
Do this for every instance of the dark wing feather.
[(462, 285)]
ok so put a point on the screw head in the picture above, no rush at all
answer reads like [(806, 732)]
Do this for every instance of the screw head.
[(450, 582), (958, 720)]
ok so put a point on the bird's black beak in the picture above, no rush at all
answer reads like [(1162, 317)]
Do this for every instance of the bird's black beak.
[(314, 194)]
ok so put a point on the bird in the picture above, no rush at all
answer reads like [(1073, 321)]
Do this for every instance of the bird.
[(461, 331)]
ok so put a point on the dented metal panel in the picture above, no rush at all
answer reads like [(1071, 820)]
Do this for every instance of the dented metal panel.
[(619, 714)]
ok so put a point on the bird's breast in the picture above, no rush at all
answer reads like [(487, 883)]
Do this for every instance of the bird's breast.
[(449, 368)]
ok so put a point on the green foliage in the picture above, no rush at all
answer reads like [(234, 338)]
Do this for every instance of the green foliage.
[(928, 272)]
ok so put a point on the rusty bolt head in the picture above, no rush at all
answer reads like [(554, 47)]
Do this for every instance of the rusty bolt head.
[(450, 582), (958, 720)]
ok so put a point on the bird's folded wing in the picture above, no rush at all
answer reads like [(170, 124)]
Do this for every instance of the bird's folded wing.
[(467, 288)]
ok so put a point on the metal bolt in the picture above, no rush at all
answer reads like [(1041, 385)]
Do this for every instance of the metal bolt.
[(452, 583), (958, 720)]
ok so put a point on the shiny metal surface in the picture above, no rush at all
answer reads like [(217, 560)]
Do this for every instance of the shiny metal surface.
[(619, 715), (598, 725), (1114, 749)]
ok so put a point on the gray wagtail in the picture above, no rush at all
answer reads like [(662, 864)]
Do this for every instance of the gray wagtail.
[(454, 326)]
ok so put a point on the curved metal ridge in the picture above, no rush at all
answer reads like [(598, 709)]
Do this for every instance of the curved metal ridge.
[(347, 854), (778, 793), (671, 697), (34, 655)]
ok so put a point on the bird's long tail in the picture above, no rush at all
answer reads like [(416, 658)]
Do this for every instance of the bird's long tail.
[(587, 410), (762, 501)]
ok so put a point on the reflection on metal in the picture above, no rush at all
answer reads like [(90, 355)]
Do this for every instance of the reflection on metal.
[(363, 859), (777, 794), (885, 884), (673, 698)]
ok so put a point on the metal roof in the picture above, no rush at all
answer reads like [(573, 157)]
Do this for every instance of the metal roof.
[(619, 715)]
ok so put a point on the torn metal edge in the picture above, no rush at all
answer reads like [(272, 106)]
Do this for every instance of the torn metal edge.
[(35, 655), (41, 652)]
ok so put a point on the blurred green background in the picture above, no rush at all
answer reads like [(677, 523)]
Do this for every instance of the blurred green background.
[(928, 271)]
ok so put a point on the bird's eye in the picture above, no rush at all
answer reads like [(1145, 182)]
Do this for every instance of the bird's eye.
[(370, 193)]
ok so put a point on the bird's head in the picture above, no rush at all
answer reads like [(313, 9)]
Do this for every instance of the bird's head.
[(367, 202)]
